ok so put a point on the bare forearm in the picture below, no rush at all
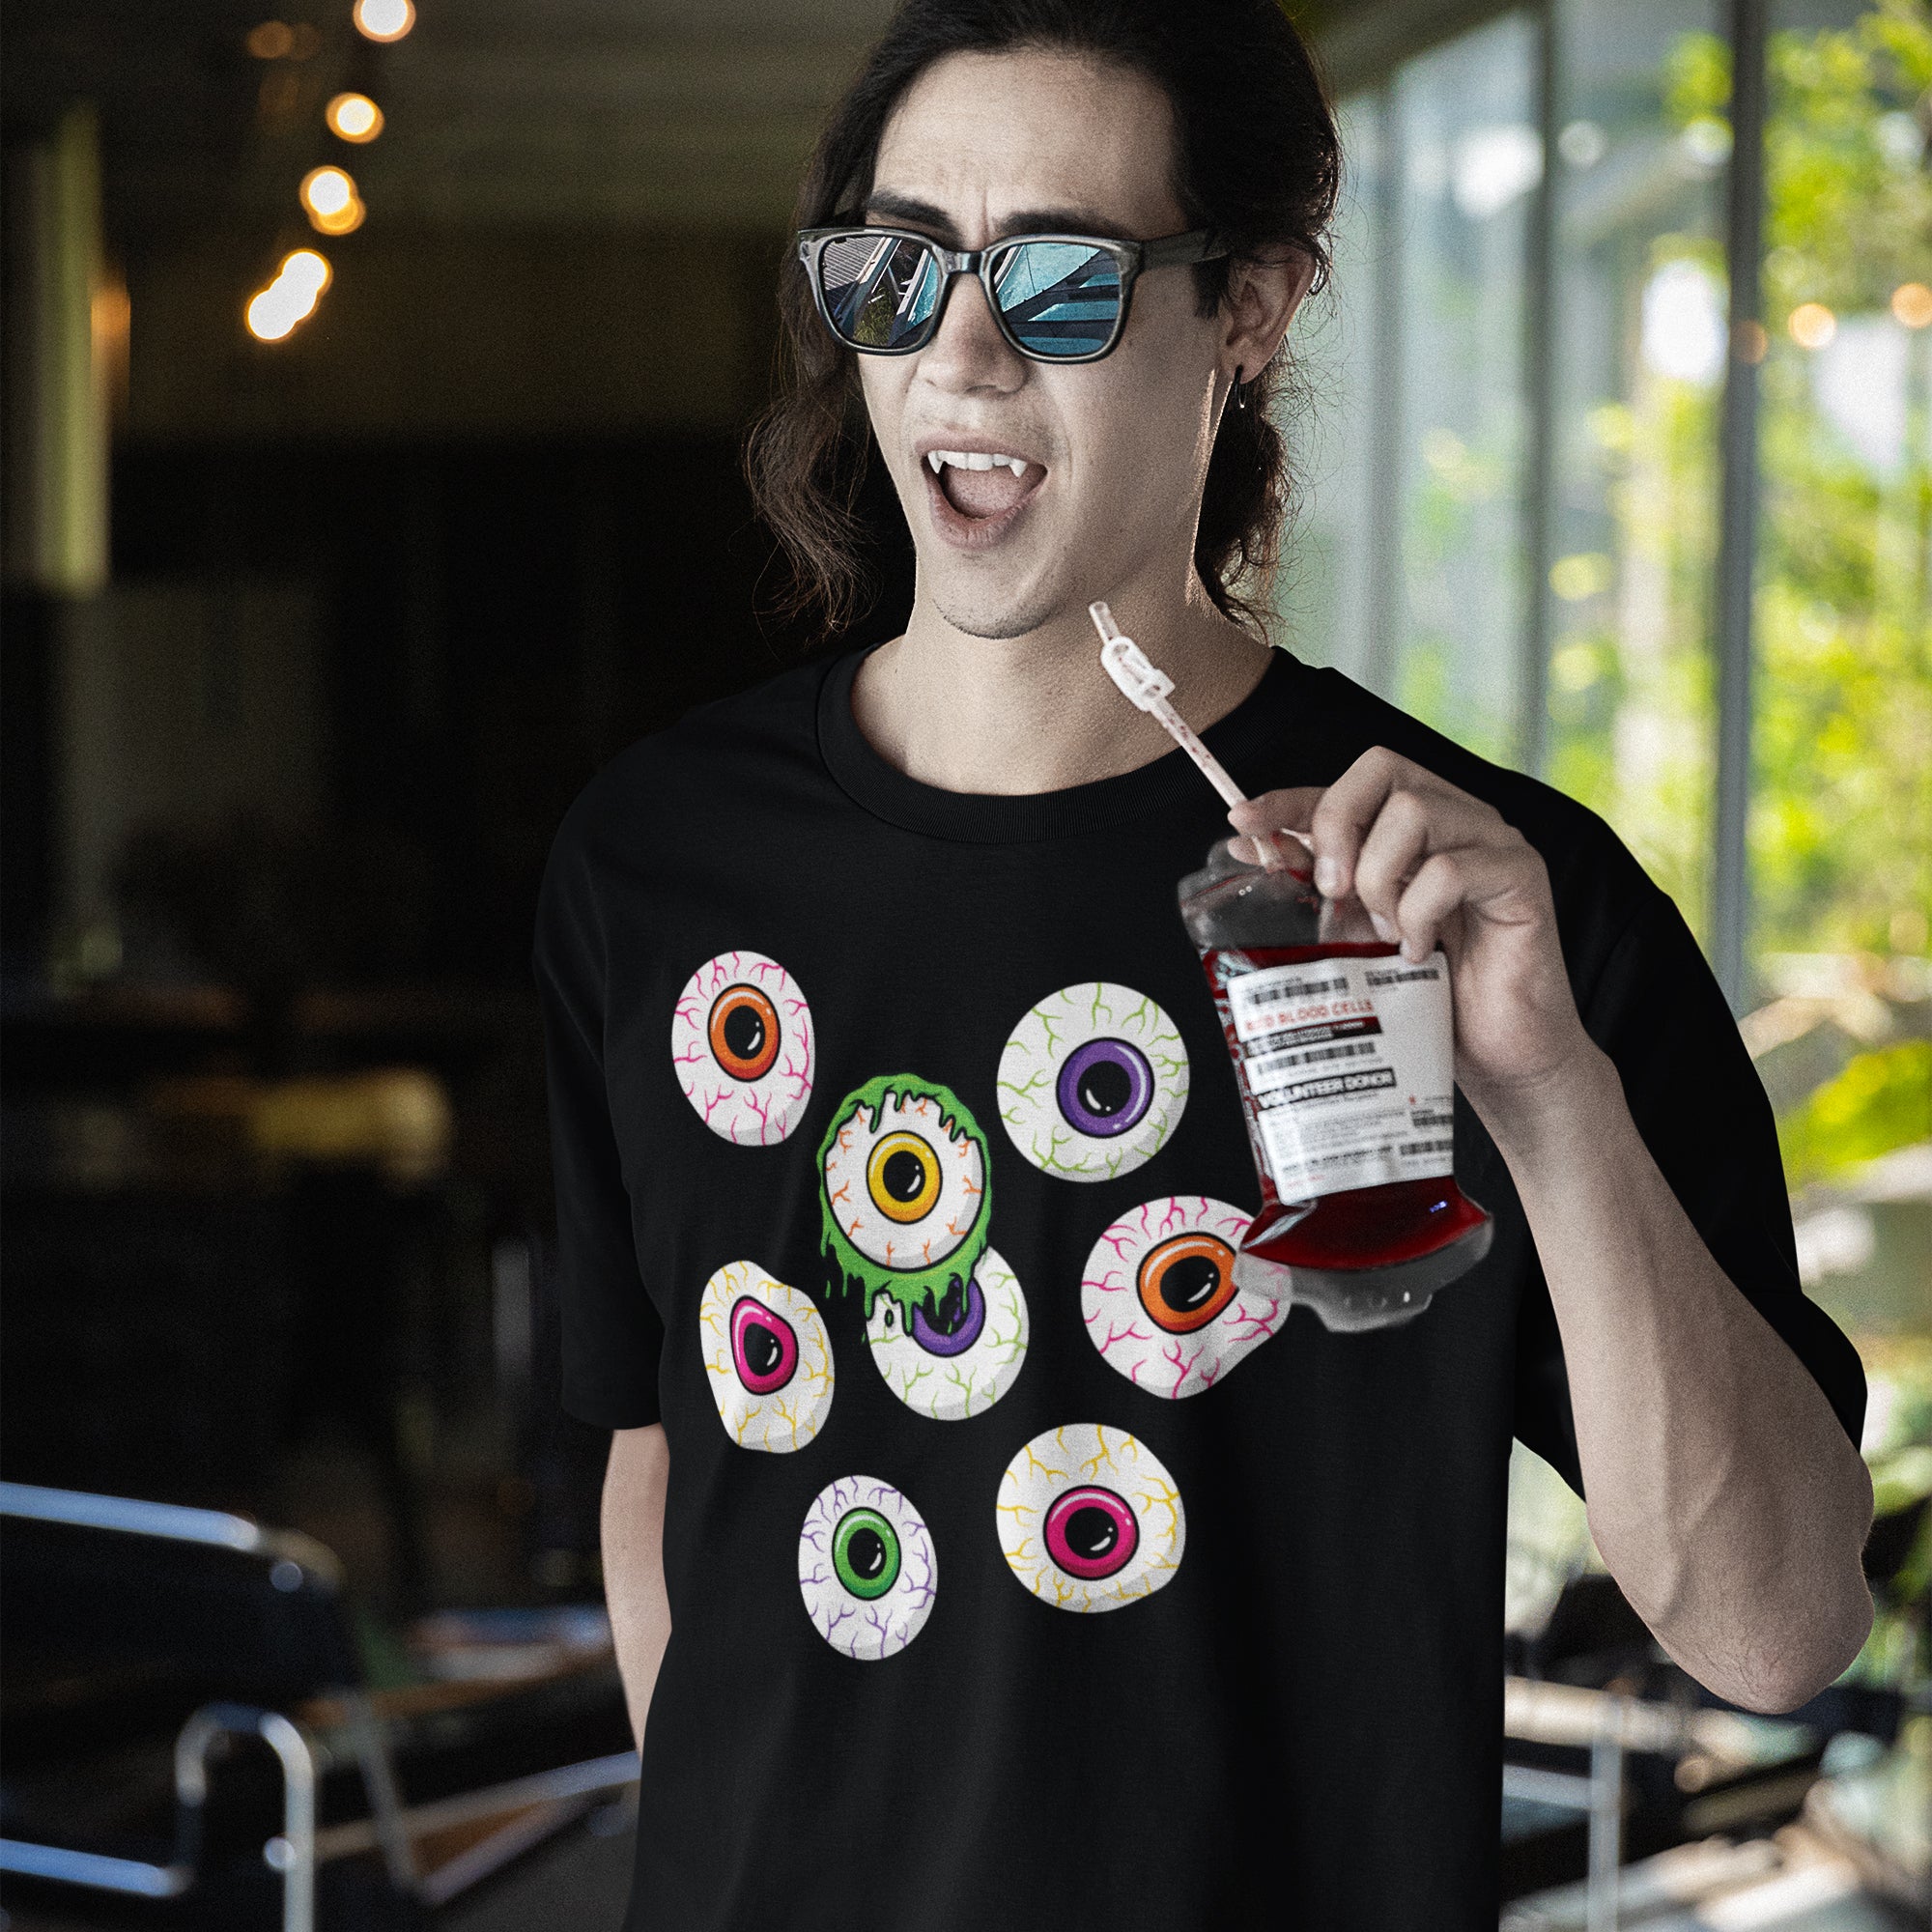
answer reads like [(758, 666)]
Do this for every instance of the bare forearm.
[(1723, 1494), (634, 1583)]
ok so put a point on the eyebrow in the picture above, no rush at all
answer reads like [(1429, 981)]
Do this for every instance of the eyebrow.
[(911, 211)]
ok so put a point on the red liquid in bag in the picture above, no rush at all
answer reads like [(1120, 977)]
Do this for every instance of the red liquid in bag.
[(1365, 1226), (1364, 1257), (1344, 1053)]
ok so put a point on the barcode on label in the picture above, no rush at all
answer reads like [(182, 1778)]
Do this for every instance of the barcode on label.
[(1279, 1063), (1403, 975), (1293, 989), (1424, 1147)]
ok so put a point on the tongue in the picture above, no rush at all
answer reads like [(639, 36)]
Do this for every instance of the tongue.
[(983, 493)]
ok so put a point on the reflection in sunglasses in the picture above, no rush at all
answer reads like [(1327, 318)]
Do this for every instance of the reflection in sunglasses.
[(1055, 298), (1059, 298)]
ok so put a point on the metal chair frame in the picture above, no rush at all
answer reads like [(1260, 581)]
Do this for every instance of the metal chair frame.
[(299, 1849)]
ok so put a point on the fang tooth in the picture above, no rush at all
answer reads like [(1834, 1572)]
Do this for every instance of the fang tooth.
[(1017, 463), (936, 459)]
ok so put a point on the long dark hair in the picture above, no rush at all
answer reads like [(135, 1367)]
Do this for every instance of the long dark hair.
[(1258, 162)]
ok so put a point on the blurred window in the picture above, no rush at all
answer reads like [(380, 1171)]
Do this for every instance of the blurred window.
[(1511, 457)]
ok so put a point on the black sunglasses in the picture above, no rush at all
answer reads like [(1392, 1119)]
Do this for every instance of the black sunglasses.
[(1056, 298)]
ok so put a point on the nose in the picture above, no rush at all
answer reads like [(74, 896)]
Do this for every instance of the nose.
[(967, 350)]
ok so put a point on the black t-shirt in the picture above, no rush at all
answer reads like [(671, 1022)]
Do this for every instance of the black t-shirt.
[(972, 1625)]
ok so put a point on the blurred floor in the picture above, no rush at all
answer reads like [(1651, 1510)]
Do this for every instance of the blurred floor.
[(579, 1883)]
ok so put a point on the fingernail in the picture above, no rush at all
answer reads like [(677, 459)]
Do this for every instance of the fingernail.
[(1385, 928), (1327, 876)]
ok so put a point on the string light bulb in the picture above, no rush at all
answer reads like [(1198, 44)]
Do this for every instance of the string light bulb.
[(354, 117), (385, 20)]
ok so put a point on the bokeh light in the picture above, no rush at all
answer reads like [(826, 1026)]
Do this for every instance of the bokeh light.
[(1912, 304), (354, 117), (326, 190), (291, 298), (277, 40), (334, 208), (1587, 573), (385, 20), (1812, 325)]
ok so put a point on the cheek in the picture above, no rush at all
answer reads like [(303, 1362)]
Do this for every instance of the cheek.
[(1139, 437), (883, 381)]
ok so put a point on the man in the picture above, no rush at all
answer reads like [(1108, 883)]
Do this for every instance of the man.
[(932, 1611)]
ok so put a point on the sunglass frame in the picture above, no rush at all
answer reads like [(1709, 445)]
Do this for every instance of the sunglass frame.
[(1131, 260)]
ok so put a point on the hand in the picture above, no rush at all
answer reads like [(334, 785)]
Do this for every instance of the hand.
[(1434, 867)]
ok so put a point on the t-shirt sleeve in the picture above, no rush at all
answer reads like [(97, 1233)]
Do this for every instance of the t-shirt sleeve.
[(1656, 1011), (612, 1335)]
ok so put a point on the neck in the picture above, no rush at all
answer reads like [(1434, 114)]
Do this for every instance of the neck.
[(1037, 713)]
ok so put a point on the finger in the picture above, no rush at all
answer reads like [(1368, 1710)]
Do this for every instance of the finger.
[(1273, 828), (1410, 826), (1292, 808), (1348, 807), (1505, 882), (1272, 851)]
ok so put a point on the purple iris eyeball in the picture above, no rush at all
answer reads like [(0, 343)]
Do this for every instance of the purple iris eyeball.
[(1092, 1081), (1104, 1088)]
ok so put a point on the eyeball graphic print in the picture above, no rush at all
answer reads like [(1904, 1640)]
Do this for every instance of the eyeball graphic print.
[(767, 1358), (1159, 1298), (1088, 1520), (741, 1043), (903, 1198), (958, 1358), (1092, 1082), (867, 1568)]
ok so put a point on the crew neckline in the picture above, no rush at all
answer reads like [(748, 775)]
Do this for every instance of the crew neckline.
[(998, 818)]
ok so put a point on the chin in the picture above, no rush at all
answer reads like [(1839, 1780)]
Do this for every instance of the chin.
[(995, 611), (977, 620)]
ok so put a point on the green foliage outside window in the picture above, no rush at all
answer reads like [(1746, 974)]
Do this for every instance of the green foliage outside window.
[(1841, 832), (1841, 820)]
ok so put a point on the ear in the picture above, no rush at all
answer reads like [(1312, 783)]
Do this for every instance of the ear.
[(1263, 293)]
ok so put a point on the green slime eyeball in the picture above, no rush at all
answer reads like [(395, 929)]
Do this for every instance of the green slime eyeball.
[(905, 1192)]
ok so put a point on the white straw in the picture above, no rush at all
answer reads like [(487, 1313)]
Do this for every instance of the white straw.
[(1146, 687)]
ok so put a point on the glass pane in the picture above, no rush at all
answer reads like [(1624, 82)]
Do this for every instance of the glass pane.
[(1332, 574), (1405, 567), (1637, 331), (1471, 161)]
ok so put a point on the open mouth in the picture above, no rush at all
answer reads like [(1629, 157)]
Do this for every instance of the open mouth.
[(976, 494)]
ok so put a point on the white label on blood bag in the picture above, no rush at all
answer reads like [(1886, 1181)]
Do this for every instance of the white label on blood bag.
[(1351, 1065)]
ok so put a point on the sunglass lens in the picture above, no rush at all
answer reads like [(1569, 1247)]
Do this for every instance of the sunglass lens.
[(880, 290), (1060, 298)]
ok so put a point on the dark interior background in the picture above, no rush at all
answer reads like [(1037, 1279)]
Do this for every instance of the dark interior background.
[(380, 598)]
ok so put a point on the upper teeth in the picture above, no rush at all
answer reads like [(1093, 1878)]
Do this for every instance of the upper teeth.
[(974, 459)]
